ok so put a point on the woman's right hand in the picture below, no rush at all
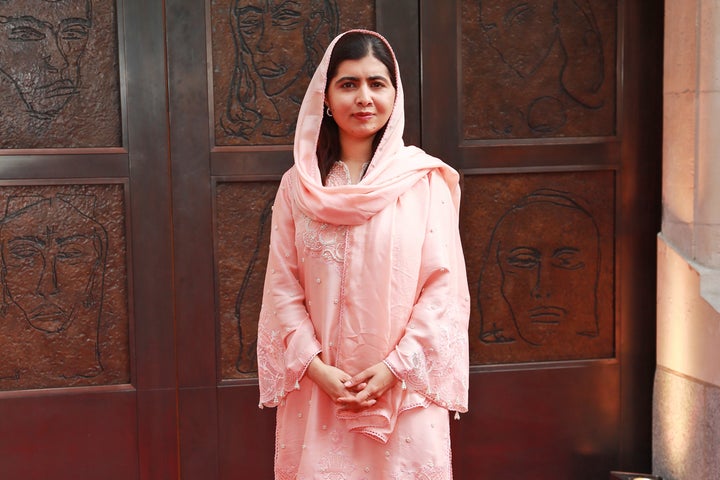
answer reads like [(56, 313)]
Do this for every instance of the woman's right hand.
[(331, 380)]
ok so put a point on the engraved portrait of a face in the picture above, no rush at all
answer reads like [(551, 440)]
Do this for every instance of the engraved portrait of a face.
[(544, 261), (267, 28), (505, 22), (41, 50), (539, 68), (52, 262), (278, 44)]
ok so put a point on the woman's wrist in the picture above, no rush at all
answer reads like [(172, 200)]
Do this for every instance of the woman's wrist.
[(315, 365)]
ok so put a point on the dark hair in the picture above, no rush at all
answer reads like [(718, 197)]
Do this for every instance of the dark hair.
[(351, 46)]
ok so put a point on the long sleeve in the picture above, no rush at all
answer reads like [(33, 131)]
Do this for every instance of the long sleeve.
[(432, 357), (286, 337)]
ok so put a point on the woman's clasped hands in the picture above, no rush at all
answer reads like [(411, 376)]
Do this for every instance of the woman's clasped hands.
[(353, 393)]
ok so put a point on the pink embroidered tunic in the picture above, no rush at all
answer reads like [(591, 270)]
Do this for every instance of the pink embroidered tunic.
[(363, 273)]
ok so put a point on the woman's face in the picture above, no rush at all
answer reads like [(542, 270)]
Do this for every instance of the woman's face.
[(361, 97)]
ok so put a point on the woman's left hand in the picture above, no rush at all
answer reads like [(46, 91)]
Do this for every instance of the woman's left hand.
[(370, 384)]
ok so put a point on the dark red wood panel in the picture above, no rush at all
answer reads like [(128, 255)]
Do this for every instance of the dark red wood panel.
[(75, 433), (246, 445), (540, 424)]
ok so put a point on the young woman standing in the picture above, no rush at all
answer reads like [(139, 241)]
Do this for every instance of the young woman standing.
[(362, 341)]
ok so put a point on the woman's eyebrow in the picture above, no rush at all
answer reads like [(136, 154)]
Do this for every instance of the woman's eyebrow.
[(346, 78), (355, 79)]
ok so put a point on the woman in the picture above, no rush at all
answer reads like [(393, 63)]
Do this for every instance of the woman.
[(362, 340)]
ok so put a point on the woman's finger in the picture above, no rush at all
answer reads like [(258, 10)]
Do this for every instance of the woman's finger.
[(362, 377), (359, 387)]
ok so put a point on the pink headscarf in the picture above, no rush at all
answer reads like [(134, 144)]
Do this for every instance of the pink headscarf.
[(393, 170)]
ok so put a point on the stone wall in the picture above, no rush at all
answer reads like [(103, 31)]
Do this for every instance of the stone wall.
[(686, 405)]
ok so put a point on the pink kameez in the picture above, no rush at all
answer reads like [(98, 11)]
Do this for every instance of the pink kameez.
[(361, 274)]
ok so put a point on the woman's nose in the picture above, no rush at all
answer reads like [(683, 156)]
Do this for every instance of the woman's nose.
[(363, 96)]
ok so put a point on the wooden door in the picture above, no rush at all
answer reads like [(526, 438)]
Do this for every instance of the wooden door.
[(88, 383), (551, 110), (136, 196), (244, 103)]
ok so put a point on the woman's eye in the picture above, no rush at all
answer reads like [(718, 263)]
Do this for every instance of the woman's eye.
[(24, 252)]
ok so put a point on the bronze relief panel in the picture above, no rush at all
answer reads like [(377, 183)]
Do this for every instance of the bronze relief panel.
[(264, 53), (540, 262), (59, 77), (538, 69), (64, 315), (242, 227)]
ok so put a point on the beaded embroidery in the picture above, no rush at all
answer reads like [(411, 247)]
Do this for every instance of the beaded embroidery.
[(325, 240)]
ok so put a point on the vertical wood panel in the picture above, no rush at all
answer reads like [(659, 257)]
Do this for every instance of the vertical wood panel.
[(399, 22), (439, 61), (194, 306), (246, 443), (638, 224), (150, 207), (540, 424)]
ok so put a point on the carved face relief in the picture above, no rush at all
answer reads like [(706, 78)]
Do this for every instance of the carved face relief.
[(269, 29), (548, 258), (52, 258), (41, 44), (522, 32)]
